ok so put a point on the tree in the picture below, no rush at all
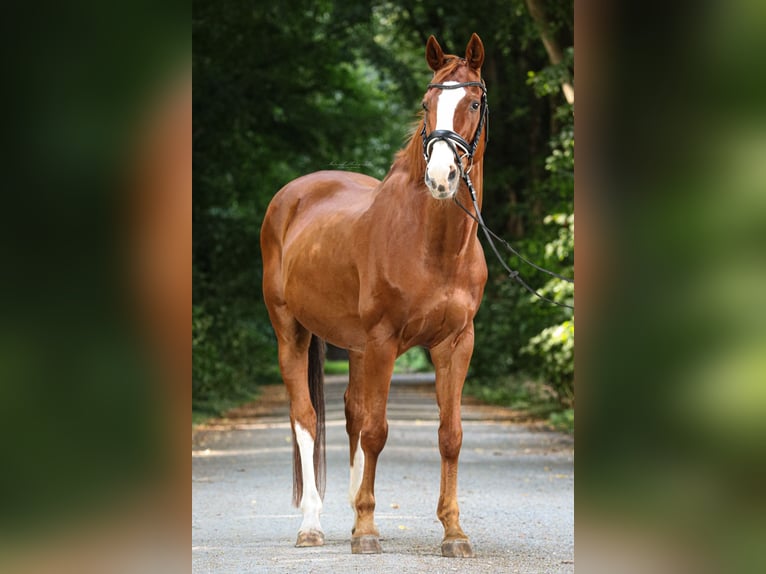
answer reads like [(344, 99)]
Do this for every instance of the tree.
[(552, 47)]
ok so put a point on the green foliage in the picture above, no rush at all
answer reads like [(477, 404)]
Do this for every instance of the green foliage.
[(414, 360), (336, 367), (219, 341), (562, 246), (530, 396), (552, 350), (554, 347), (562, 420), (548, 81)]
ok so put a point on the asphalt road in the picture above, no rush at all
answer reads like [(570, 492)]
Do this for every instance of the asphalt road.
[(516, 487)]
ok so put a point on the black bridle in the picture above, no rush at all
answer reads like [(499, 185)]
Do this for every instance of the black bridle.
[(453, 139)]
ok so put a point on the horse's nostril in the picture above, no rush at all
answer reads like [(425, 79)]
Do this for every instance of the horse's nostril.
[(452, 174), (441, 188)]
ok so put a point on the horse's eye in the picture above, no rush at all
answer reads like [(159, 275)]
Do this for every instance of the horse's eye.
[(425, 106), (475, 106)]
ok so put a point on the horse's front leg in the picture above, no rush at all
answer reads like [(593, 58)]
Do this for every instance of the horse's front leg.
[(367, 428), (451, 359)]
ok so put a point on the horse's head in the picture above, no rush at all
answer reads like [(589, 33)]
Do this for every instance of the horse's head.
[(455, 111)]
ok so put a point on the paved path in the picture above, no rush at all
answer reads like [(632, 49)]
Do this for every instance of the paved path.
[(515, 491)]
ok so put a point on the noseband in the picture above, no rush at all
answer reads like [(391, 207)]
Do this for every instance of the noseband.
[(453, 139)]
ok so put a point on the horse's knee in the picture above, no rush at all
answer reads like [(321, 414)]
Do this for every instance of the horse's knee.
[(374, 438), (450, 440)]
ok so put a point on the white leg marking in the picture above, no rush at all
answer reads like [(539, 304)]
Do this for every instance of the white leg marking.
[(357, 469), (311, 503), (442, 158)]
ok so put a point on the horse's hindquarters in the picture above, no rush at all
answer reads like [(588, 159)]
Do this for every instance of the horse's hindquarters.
[(310, 244)]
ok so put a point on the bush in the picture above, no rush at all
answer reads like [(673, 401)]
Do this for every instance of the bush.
[(231, 356), (563, 420), (554, 347)]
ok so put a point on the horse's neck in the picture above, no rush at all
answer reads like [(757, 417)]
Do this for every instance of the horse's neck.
[(449, 231)]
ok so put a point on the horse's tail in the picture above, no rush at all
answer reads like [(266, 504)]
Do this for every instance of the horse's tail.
[(316, 391)]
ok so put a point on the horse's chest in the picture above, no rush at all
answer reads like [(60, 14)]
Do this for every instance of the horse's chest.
[(439, 316)]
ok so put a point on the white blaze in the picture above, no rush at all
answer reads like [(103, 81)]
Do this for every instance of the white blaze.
[(442, 158), (445, 108), (311, 503)]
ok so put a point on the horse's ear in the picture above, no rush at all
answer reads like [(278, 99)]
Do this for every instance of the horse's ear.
[(434, 54), (474, 52)]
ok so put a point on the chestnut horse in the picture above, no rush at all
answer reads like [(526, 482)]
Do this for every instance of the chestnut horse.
[(377, 268)]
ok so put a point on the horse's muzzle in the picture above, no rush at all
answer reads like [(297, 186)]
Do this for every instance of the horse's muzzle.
[(441, 172)]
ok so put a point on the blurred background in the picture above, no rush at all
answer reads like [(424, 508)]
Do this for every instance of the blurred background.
[(285, 89), (671, 361), (95, 287)]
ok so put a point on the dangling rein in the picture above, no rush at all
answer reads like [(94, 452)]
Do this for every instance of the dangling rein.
[(489, 234)]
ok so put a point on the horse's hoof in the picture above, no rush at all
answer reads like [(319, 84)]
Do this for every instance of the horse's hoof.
[(310, 538), (460, 548), (365, 545)]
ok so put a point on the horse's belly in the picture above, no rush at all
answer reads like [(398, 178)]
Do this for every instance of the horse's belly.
[(323, 295), (331, 324)]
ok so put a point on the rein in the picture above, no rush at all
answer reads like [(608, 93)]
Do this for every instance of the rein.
[(489, 234), (455, 141)]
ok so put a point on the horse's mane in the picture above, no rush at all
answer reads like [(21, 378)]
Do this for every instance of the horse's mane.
[(412, 153)]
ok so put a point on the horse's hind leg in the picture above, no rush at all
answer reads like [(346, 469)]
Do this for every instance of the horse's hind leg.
[(366, 397), (354, 421), (294, 341)]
